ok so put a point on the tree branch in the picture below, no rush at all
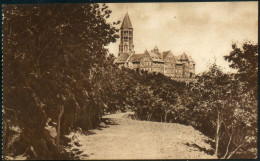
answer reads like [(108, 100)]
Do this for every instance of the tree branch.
[(230, 138), (233, 152)]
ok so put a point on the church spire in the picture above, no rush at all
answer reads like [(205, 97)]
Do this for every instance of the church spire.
[(126, 36), (126, 22)]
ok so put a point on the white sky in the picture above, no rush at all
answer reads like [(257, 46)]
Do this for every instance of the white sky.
[(204, 30)]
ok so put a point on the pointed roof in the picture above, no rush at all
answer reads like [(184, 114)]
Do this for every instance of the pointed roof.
[(184, 57), (122, 58), (156, 51), (191, 60), (178, 59), (126, 22), (165, 53), (155, 48)]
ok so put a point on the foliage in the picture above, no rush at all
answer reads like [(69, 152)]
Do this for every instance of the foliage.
[(245, 60), (51, 55), (221, 105), (57, 72), (226, 107)]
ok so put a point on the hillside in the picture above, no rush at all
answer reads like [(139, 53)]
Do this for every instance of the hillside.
[(126, 138)]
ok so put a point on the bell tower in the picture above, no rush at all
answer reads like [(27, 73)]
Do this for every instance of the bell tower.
[(126, 37)]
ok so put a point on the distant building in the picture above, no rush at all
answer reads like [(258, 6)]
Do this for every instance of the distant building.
[(177, 67)]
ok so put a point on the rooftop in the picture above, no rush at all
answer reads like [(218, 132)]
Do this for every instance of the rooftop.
[(126, 22)]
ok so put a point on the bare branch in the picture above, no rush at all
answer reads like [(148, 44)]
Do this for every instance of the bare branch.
[(230, 138), (233, 152)]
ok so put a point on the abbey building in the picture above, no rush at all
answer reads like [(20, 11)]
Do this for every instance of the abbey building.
[(180, 67)]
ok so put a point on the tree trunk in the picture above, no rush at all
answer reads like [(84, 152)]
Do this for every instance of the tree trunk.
[(58, 124), (227, 148), (150, 117), (230, 138), (217, 134), (165, 117), (233, 152)]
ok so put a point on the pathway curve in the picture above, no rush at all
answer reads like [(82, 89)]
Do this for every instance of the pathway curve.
[(135, 139)]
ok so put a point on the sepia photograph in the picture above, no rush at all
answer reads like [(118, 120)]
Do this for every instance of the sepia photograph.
[(154, 80)]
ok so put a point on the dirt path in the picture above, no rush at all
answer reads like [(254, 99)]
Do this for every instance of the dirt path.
[(134, 139)]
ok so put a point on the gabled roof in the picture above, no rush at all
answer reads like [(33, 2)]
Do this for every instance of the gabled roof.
[(136, 57), (155, 57), (160, 55), (155, 48), (122, 58), (156, 51), (191, 60), (126, 22), (184, 57), (165, 53), (181, 59)]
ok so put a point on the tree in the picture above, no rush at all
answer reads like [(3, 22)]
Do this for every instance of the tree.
[(211, 87), (244, 91), (226, 107), (52, 53), (165, 92), (245, 60)]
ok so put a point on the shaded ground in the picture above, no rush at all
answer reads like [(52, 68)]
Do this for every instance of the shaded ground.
[(125, 138)]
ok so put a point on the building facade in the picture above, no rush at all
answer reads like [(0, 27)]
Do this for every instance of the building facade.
[(180, 67)]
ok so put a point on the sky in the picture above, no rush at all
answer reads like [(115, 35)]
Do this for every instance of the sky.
[(203, 30)]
